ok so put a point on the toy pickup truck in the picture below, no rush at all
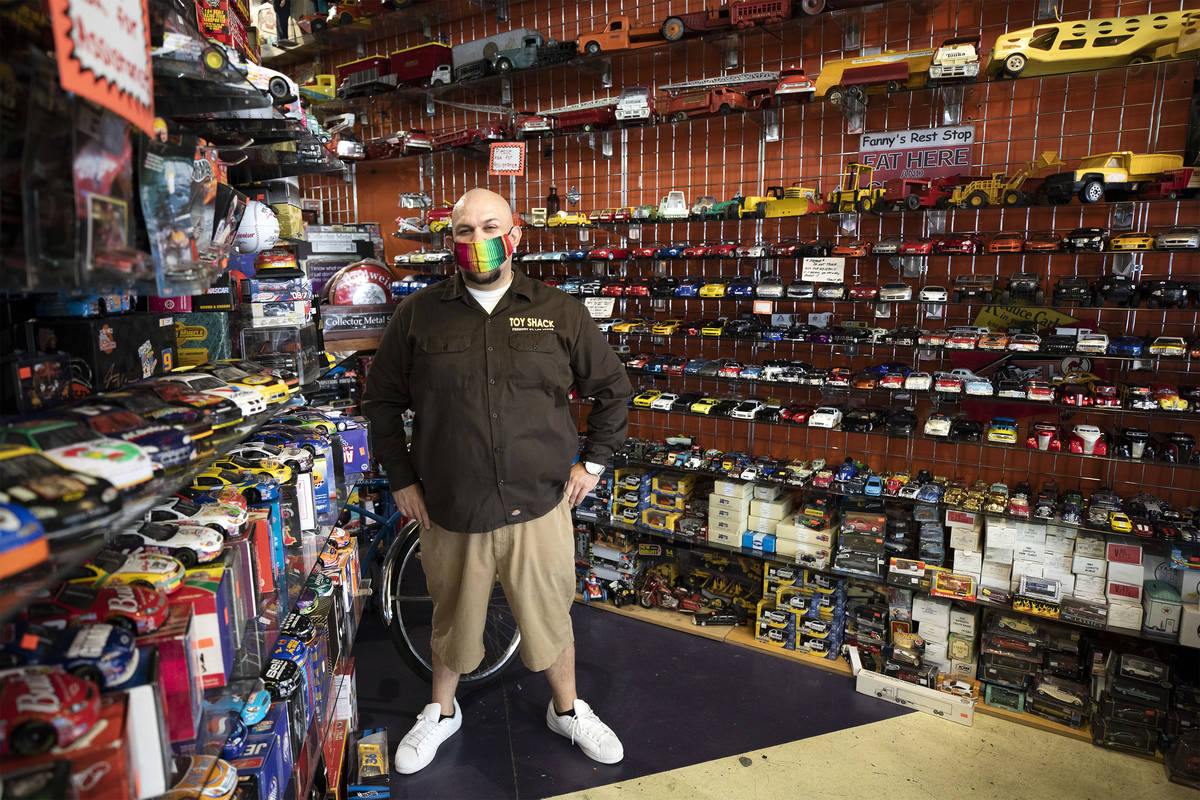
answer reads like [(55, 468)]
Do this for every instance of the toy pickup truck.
[(1118, 173), (621, 33)]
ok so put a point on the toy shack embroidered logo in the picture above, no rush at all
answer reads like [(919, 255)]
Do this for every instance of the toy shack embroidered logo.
[(530, 323)]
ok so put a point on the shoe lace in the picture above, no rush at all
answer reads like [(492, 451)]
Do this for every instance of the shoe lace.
[(587, 724), (424, 728)]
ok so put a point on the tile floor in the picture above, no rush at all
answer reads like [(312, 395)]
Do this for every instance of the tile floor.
[(701, 719)]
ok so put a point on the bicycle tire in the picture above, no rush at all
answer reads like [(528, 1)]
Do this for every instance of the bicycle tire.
[(407, 612)]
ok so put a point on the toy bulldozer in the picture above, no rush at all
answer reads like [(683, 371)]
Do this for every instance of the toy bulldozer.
[(858, 192)]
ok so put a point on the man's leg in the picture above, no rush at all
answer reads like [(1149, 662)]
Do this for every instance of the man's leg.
[(445, 682), (561, 675)]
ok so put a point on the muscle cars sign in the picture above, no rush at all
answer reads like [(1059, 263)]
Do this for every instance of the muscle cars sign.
[(920, 154)]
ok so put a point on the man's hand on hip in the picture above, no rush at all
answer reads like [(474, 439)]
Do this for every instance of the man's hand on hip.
[(410, 501), (579, 484)]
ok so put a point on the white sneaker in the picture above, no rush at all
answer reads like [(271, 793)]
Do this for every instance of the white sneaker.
[(585, 729), (420, 744)]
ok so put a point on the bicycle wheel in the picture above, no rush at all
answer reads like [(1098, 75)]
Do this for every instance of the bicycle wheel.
[(408, 613)]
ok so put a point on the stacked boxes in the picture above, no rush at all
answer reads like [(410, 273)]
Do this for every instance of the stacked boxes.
[(932, 615), (966, 543), (996, 567), (1123, 584), (1135, 705), (809, 533), (667, 501), (1089, 568), (860, 546), (729, 512), (613, 556), (630, 494), (768, 507)]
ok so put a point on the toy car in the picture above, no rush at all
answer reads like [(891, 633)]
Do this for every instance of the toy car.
[(152, 570), (1002, 430), (166, 445), (102, 654), (1025, 343), (1173, 346), (204, 776), (937, 425), (253, 487), (248, 401), (1082, 239), (1006, 243), (974, 287), (1164, 293), (191, 544), (933, 294), (43, 710), (1042, 243), (1133, 240), (77, 448), (898, 292), (132, 608), (825, 417)]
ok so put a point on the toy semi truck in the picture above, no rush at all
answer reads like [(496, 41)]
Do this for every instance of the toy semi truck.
[(519, 48), (1122, 173)]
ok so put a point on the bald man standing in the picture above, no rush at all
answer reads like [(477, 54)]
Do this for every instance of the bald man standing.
[(486, 360)]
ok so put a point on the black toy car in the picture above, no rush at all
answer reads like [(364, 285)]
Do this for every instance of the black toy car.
[(724, 408), (1072, 291), (904, 336), (1115, 290), (966, 430), (862, 420), (900, 423), (849, 334), (1178, 448), (1085, 239), (1134, 443), (664, 287), (1026, 287), (1165, 293), (1059, 343)]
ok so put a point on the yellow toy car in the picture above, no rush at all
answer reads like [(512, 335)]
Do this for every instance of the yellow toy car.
[(562, 219), (716, 289), (272, 389), (152, 570), (647, 397), (704, 405), (666, 327), (263, 466), (1168, 346), (207, 777), (1119, 522), (714, 328), (1131, 241), (629, 325)]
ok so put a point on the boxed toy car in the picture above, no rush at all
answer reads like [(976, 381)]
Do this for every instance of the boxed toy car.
[(180, 682), (219, 21), (201, 336), (771, 509), (260, 774), (673, 484), (756, 540), (735, 489), (1163, 609)]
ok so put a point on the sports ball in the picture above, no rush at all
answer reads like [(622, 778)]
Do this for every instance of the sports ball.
[(258, 230)]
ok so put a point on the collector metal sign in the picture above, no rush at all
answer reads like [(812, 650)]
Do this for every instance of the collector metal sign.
[(922, 154)]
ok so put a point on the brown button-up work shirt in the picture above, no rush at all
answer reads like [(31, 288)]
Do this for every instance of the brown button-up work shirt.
[(493, 438)]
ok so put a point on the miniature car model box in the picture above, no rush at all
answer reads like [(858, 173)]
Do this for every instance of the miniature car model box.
[(735, 489), (260, 769), (1163, 609), (180, 684), (739, 506), (108, 352), (659, 520), (762, 524), (893, 690), (772, 509), (225, 22), (200, 337), (669, 483), (803, 534), (816, 556), (668, 502), (1124, 615), (758, 540), (103, 752), (208, 592)]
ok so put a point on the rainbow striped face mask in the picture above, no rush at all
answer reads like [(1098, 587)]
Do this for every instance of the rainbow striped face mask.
[(483, 257)]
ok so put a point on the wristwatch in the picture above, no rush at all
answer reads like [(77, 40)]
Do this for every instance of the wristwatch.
[(593, 468)]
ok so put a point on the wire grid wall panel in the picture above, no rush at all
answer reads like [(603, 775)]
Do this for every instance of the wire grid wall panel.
[(1143, 109)]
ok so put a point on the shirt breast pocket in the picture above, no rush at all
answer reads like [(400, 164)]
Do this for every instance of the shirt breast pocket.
[(539, 360), (444, 361)]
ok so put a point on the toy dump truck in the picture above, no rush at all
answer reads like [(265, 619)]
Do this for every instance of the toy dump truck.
[(1121, 173)]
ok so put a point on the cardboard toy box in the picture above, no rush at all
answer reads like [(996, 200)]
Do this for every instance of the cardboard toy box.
[(180, 685), (222, 21), (108, 352), (208, 592), (202, 336), (99, 760)]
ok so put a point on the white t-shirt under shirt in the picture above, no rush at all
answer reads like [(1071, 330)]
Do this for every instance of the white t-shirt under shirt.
[(488, 298)]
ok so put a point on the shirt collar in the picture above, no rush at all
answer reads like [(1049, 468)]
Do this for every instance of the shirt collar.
[(522, 285)]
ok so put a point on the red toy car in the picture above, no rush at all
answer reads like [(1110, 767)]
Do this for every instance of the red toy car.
[(863, 291), (695, 251), (638, 287), (615, 287), (1044, 436), (1105, 395), (723, 250), (957, 243), (609, 253), (43, 710), (136, 609), (643, 252), (916, 247), (796, 413), (1074, 394)]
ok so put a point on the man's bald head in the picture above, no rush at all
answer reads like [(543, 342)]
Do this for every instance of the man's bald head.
[(477, 202)]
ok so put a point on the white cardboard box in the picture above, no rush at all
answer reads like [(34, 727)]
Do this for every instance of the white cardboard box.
[(1059, 544), (931, 609), (1057, 561), (968, 561), (1124, 553), (1031, 535), (1089, 565), (964, 621), (961, 539), (1029, 552), (998, 555), (1031, 568), (931, 701), (1126, 573), (997, 572), (1002, 536), (771, 509), (733, 489), (762, 525), (803, 534), (1123, 593), (767, 491), (1091, 545), (1090, 586), (739, 505), (1125, 615)]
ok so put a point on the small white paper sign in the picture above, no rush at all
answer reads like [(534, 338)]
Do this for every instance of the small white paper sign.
[(820, 320), (600, 307), (823, 270)]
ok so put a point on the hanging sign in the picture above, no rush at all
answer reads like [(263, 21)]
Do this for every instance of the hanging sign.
[(506, 158), (104, 55), (823, 270), (921, 154)]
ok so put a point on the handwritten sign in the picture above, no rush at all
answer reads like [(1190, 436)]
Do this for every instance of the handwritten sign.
[(600, 307), (103, 51), (823, 270), (506, 158), (922, 154)]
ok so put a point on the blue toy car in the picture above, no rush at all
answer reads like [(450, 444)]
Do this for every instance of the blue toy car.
[(694, 366), (235, 742), (577, 255), (751, 372), (846, 471), (671, 251), (874, 486), (930, 493), (689, 287), (740, 287), (22, 539), (106, 655), (1126, 346)]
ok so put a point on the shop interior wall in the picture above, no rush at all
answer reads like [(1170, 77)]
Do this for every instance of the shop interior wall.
[(1144, 109)]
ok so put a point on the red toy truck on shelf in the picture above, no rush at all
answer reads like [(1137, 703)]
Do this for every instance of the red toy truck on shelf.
[(411, 66), (732, 14)]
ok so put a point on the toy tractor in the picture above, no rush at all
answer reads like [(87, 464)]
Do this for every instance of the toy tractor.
[(1000, 189), (858, 192)]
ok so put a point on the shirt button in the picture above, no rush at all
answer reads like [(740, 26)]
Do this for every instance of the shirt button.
[(495, 415), (490, 348), (492, 381), (500, 482)]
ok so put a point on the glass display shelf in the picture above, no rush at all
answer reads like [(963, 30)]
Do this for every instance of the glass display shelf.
[(1020, 448), (310, 157), (942, 400)]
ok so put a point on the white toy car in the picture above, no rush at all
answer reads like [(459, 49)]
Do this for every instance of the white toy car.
[(191, 544), (674, 206), (978, 386), (1095, 343), (825, 417), (225, 518), (937, 425), (918, 382), (747, 409), (933, 294), (664, 401), (77, 448), (895, 292), (248, 401)]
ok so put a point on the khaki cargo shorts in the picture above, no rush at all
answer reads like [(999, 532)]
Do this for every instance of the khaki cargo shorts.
[(535, 562)]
